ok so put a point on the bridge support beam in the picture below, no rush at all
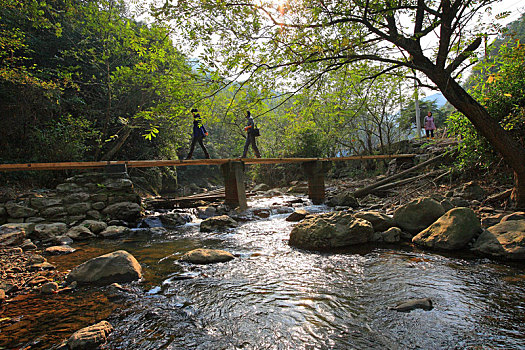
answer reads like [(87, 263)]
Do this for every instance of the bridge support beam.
[(315, 174), (233, 173)]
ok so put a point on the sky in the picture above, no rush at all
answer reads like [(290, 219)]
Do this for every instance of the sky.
[(517, 7)]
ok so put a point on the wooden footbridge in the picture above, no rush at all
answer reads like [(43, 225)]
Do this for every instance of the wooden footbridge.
[(232, 170)]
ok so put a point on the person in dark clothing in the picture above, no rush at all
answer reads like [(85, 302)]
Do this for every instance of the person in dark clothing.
[(199, 133), (250, 136)]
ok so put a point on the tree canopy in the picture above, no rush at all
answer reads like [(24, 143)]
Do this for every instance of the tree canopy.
[(300, 41)]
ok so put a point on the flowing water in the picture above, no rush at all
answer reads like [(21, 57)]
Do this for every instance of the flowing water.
[(273, 296)]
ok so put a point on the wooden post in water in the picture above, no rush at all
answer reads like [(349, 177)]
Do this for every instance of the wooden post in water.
[(315, 175), (233, 173)]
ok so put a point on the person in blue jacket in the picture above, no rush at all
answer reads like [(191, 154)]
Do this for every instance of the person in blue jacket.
[(199, 133)]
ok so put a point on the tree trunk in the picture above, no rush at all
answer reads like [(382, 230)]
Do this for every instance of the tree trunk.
[(518, 192), (121, 141), (509, 148)]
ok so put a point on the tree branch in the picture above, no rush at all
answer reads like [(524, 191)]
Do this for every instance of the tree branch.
[(463, 56)]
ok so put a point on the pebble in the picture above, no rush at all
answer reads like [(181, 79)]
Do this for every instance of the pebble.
[(42, 266), (49, 288)]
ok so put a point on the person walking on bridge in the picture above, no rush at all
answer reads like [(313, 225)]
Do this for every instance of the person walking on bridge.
[(199, 133), (251, 133)]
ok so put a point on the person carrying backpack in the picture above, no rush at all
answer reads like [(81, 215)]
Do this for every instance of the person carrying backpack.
[(251, 133), (199, 133)]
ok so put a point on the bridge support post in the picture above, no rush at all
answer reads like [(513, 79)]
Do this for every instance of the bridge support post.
[(315, 174), (233, 173)]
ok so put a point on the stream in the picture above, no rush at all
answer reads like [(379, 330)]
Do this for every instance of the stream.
[(273, 296)]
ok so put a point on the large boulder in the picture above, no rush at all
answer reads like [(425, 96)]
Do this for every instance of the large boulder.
[(94, 226), (115, 231), (380, 222), (506, 239), (47, 232), (417, 215), (217, 223), (330, 230), (80, 233), (126, 211), (173, 219), (207, 256), (119, 266), (91, 337), (452, 231), (344, 199)]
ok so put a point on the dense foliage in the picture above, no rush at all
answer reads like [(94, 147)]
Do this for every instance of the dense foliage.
[(503, 94), (80, 80), (498, 83)]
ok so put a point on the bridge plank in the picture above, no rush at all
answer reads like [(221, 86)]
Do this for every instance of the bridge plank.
[(157, 163)]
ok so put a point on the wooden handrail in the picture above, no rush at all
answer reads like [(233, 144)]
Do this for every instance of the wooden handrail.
[(157, 163)]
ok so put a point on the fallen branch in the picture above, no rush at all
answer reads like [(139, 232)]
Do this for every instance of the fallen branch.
[(498, 196), (442, 176), (368, 189), (405, 181)]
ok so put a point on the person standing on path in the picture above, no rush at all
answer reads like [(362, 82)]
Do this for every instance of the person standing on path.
[(250, 136), (199, 133), (429, 125)]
